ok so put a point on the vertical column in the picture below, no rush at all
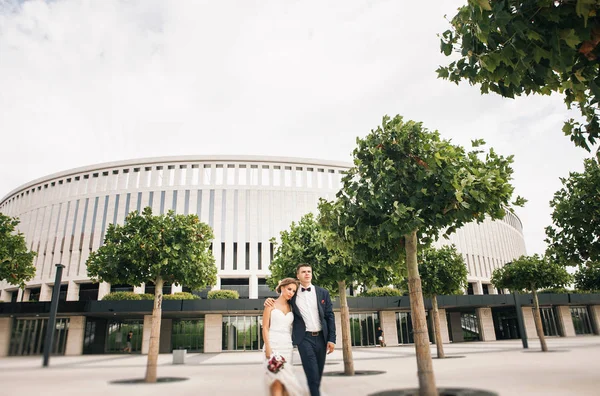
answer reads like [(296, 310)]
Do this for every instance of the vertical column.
[(5, 295), (252, 283), (213, 333), (444, 326), (26, 295), (529, 323), (72, 292), (455, 324), (5, 332), (338, 329), (595, 311), (566, 321), (140, 289), (388, 325), (103, 290), (486, 324), (74, 344), (45, 292), (176, 289), (146, 334)]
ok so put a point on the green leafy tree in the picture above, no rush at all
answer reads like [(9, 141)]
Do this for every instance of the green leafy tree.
[(531, 273), (305, 242), (443, 272), (587, 277), (575, 236), (406, 186), (165, 248), (516, 47), (16, 261)]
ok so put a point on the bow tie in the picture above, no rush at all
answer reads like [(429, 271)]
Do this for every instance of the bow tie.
[(305, 289)]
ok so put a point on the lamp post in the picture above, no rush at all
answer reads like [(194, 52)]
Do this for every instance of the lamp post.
[(52, 319)]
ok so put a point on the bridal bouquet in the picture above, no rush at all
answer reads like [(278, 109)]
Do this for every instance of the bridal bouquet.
[(275, 363)]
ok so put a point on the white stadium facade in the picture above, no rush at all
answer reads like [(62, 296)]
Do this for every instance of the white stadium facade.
[(247, 200)]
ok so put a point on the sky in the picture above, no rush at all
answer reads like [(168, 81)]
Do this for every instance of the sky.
[(85, 82)]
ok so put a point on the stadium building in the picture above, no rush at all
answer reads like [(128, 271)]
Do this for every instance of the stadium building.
[(247, 200)]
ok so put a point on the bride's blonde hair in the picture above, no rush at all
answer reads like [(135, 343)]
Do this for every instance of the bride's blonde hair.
[(284, 282)]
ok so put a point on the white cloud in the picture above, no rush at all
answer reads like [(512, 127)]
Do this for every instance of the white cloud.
[(83, 82)]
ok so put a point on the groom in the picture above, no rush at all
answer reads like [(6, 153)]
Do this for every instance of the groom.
[(314, 326)]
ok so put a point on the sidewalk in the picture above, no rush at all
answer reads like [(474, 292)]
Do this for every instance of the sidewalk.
[(572, 368)]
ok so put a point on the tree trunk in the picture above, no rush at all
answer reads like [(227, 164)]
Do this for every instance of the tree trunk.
[(346, 340), (436, 328), (417, 308), (155, 331), (538, 321)]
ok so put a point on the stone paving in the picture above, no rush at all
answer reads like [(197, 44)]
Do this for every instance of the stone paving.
[(571, 368)]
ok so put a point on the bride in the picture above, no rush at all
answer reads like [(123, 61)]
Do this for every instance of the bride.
[(277, 334)]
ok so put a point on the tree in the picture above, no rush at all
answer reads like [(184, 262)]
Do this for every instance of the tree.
[(516, 47), (531, 273), (587, 277), (16, 261), (406, 186), (165, 248), (443, 271), (575, 236), (305, 242)]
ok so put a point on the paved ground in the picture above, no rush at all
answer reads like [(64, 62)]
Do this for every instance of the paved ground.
[(572, 368)]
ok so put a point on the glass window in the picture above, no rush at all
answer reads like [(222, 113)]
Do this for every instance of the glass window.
[(117, 333), (549, 321), (242, 333), (29, 335), (581, 320), (363, 327), (188, 334)]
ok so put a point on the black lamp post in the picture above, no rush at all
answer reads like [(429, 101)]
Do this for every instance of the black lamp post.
[(53, 309)]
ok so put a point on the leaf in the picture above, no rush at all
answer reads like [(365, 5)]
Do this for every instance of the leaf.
[(570, 37), (484, 5)]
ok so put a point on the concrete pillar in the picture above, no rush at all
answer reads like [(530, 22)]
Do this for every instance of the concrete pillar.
[(5, 332), (166, 329), (338, 329), (388, 325), (176, 289), (5, 296), (20, 294), (75, 336), (595, 317), (253, 286), (566, 321), (73, 291), (443, 326), (456, 326), (26, 294), (213, 333), (529, 323), (45, 292), (146, 334), (139, 289), (477, 288), (103, 290), (486, 324)]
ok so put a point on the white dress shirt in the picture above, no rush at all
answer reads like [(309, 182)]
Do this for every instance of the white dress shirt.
[(306, 301)]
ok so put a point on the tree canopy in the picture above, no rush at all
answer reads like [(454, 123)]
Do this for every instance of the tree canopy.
[(172, 247), (305, 242), (443, 271), (516, 47), (530, 273), (587, 277), (407, 178), (574, 236), (16, 261)]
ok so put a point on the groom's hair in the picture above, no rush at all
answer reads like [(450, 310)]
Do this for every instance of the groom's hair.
[(302, 265)]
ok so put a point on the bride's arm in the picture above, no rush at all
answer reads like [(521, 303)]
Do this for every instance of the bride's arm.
[(266, 323)]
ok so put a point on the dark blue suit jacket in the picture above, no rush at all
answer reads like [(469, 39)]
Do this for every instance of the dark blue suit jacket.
[(325, 313)]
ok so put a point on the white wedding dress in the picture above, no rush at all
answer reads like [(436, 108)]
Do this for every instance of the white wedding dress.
[(280, 340)]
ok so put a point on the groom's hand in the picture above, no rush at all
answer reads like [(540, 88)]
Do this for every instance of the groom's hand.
[(269, 302), (330, 346)]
